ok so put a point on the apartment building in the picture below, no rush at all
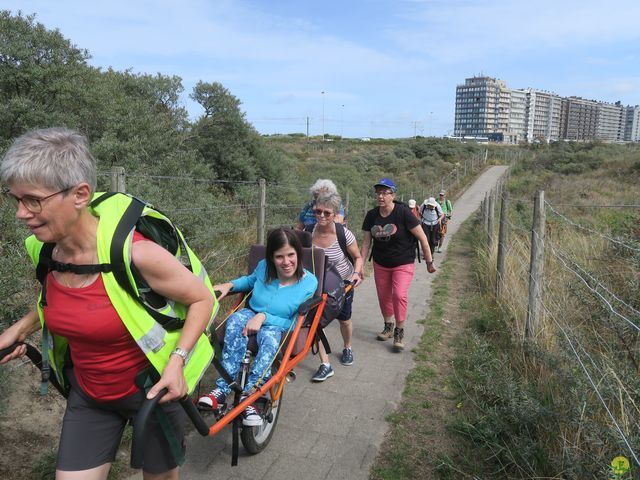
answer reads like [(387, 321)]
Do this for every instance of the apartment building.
[(517, 122), (543, 116), (486, 107), (580, 118), (632, 124), (610, 125), (482, 108)]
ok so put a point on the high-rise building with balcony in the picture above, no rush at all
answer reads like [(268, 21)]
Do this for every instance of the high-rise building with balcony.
[(482, 108), (543, 116), (632, 124), (485, 107), (580, 118), (610, 124), (516, 130)]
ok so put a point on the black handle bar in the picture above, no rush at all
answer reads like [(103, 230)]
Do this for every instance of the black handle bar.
[(142, 417), (36, 358), (32, 353)]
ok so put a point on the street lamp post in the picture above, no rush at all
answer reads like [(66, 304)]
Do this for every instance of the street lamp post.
[(430, 122), (322, 115), (341, 122)]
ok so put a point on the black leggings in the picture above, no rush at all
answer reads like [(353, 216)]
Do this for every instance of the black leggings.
[(433, 235)]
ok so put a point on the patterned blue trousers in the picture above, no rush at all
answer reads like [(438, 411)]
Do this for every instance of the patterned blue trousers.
[(235, 346)]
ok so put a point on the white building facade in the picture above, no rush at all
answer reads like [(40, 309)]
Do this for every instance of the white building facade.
[(486, 107)]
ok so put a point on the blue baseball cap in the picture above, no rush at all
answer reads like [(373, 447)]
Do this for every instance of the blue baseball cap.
[(386, 182)]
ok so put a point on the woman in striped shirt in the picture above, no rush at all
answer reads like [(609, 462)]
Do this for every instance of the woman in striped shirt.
[(325, 236)]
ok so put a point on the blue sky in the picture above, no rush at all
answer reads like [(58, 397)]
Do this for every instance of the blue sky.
[(388, 68)]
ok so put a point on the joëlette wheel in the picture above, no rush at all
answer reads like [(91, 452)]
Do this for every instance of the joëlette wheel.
[(256, 439)]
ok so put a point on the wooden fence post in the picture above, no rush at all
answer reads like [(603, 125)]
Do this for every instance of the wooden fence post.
[(537, 265), (347, 199), (262, 184), (502, 245), (118, 183), (485, 213), (490, 221)]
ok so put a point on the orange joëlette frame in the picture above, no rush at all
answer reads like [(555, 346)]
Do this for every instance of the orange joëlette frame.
[(288, 363)]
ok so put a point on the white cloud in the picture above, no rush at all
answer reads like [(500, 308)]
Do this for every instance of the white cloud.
[(278, 56), (459, 30)]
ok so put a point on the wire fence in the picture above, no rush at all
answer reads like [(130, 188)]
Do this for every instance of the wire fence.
[(570, 298), (220, 218)]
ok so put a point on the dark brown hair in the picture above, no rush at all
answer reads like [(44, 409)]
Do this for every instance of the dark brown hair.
[(278, 238)]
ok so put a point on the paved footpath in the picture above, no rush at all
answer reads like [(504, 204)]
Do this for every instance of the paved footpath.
[(333, 430)]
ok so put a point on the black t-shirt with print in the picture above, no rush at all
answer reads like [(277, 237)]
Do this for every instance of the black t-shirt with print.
[(393, 243)]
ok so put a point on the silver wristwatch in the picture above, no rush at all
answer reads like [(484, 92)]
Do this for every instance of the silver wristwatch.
[(181, 352)]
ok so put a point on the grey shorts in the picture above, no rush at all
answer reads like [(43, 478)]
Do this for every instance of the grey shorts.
[(91, 431)]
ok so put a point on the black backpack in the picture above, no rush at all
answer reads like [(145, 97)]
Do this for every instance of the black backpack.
[(342, 239)]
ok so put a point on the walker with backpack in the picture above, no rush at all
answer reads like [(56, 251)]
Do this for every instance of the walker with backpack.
[(155, 226)]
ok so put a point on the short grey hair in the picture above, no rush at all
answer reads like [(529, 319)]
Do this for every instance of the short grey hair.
[(323, 184), (331, 200), (55, 158)]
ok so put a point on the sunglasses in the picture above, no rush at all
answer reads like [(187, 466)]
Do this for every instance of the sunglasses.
[(323, 213)]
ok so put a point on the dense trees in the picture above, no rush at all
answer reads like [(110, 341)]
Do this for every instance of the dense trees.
[(227, 142), (133, 120), (41, 75)]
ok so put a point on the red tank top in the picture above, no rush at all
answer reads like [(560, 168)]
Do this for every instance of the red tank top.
[(105, 357)]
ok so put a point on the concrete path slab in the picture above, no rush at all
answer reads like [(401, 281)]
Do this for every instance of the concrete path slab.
[(333, 430)]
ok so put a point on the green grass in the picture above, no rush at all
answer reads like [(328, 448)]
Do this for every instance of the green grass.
[(4, 388), (405, 454)]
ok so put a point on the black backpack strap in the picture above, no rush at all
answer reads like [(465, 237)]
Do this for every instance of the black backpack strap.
[(126, 224), (42, 269), (102, 198), (55, 266), (342, 241), (46, 254)]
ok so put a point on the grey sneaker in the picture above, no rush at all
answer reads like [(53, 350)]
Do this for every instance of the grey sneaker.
[(398, 336), (323, 373), (347, 357), (386, 333)]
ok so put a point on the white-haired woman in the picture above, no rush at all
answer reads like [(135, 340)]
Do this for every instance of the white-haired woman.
[(50, 177), (306, 217)]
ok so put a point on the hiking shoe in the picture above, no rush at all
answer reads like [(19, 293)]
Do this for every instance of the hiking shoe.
[(347, 357), (386, 333), (214, 400), (323, 373), (398, 336), (251, 417), (439, 250)]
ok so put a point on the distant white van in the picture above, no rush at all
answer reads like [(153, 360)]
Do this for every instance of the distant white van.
[(365, 139)]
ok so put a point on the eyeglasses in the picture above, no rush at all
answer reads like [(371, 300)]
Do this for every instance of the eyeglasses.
[(33, 204), (382, 194), (323, 213)]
